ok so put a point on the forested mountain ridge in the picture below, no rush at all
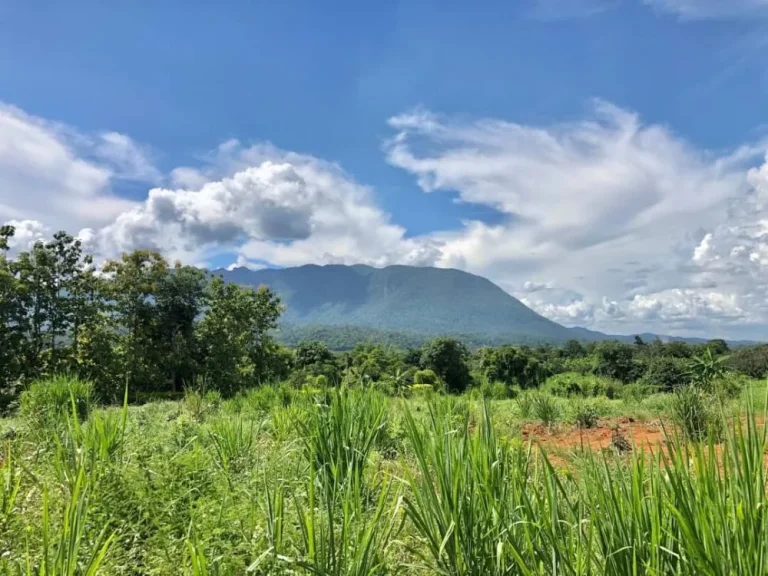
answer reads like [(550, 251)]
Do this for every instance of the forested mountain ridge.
[(416, 300)]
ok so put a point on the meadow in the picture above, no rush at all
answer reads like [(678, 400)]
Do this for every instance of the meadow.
[(347, 480)]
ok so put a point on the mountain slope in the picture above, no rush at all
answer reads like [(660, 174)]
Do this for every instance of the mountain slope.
[(401, 298)]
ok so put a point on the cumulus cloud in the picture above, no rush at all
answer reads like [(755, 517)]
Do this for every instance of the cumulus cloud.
[(276, 206), (50, 173), (582, 201)]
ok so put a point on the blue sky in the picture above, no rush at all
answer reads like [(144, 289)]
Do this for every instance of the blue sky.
[(603, 160)]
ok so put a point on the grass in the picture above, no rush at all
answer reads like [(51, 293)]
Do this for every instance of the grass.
[(350, 482)]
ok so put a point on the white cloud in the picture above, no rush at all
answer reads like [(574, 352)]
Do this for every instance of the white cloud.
[(609, 207), (131, 161), (276, 206), (46, 174), (705, 9), (26, 233)]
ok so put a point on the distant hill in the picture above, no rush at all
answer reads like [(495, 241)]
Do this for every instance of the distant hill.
[(406, 305), (415, 300)]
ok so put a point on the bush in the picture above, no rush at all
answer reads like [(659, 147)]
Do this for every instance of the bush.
[(666, 374), (585, 414), (571, 384), (426, 377), (695, 413), (545, 408), (525, 404), (751, 360), (495, 390), (51, 398), (421, 389), (635, 392)]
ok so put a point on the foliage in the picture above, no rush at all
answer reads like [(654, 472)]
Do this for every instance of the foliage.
[(750, 360), (545, 408), (615, 360), (570, 384), (666, 373), (512, 366), (696, 414), (448, 359), (51, 399), (585, 414), (705, 369)]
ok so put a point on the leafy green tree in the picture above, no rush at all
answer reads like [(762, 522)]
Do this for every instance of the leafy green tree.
[(718, 346), (666, 374), (574, 349), (615, 360), (234, 335), (750, 360), (132, 288), (179, 300), (447, 357), (312, 353), (11, 333)]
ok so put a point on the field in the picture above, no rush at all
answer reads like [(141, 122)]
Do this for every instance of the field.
[(349, 481)]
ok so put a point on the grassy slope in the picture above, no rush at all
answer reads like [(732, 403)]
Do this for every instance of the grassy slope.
[(202, 479)]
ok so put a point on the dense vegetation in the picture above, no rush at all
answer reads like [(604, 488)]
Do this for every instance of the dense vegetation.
[(184, 439)]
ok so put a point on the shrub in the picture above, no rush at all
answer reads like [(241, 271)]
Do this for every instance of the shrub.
[(571, 384), (545, 408), (565, 385), (585, 415), (51, 398), (525, 404), (751, 360), (694, 412), (666, 374), (426, 377), (494, 390), (421, 389), (635, 392)]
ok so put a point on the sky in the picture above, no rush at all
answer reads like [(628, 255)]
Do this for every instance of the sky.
[(604, 161)]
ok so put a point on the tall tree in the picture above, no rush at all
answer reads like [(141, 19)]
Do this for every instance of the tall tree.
[(234, 334), (179, 301), (132, 288), (447, 357)]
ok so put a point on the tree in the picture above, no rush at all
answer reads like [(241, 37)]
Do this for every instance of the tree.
[(179, 301), (718, 346), (447, 357), (615, 360), (573, 349), (312, 353), (132, 287), (750, 360), (511, 366), (11, 334), (236, 346)]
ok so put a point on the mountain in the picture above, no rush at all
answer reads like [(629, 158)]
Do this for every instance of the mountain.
[(416, 300), (406, 305)]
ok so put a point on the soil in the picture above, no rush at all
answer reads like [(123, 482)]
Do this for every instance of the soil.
[(639, 434)]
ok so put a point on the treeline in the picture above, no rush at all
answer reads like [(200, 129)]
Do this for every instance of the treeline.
[(138, 321), (448, 363), (156, 328)]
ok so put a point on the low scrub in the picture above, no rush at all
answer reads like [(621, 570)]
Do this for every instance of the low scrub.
[(52, 398), (573, 384)]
